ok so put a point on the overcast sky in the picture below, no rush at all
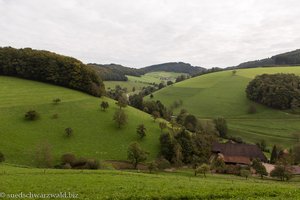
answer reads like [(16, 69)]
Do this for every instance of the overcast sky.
[(137, 33)]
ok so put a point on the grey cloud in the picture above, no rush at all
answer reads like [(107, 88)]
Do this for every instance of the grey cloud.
[(142, 32)]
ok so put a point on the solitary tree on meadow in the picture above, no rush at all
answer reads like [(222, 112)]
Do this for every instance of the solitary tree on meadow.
[(141, 131), (120, 118), (104, 105), (136, 154)]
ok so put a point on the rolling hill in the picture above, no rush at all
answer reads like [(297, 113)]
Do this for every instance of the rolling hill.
[(288, 58), (95, 133), (223, 94)]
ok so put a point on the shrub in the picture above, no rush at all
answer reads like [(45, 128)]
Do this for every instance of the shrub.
[(31, 115), (245, 173), (152, 166), (282, 172), (2, 158), (68, 132), (104, 105), (259, 168), (141, 131), (68, 158), (162, 163), (203, 169), (56, 101), (93, 164)]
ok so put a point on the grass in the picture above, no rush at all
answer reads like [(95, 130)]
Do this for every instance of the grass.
[(223, 94), (108, 184), (143, 81), (95, 133)]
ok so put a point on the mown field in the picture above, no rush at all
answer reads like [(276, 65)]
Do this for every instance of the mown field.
[(139, 82), (223, 94), (108, 184), (95, 134)]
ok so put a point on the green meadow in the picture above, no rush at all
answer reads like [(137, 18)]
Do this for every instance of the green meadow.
[(111, 184), (95, 133), (145, 80), (223, 94)]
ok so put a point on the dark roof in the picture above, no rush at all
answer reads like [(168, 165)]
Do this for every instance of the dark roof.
[(239, 150)]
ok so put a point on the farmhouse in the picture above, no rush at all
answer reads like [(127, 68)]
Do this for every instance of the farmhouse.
[(234, 153)]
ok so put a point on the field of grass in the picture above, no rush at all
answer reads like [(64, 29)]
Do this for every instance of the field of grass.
[(108, 184), (95, 133), (143, 81), (223, 94)]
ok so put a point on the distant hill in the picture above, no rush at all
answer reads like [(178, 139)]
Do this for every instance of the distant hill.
[(289, 58), (114, 72), (179, 67)]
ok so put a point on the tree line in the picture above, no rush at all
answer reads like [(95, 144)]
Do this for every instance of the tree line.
[(281, 91), (50, 67)]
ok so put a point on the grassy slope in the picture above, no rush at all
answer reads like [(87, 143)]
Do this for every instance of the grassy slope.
[(143, 81), (105, 184), (95, 134), (222, 94)]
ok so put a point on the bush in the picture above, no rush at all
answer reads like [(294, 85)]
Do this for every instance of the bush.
[(152, 166), (245, 173), (31, 115), (162, 163), (2, 158), (203, 169), (56, 101), (93, 164), (68, 158), (68, 132), (259, 168), (282, 172)]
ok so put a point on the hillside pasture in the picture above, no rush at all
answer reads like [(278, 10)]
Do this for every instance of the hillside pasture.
[(95, 134), (223, 94)]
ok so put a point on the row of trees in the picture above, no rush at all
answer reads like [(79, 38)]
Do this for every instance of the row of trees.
[(49, 67)]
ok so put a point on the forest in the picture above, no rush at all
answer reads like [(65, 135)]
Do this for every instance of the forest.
[(50, 67)]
